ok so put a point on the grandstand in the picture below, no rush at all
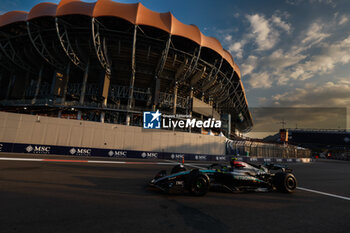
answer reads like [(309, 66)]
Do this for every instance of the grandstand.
[(109, 62), (330, 143)]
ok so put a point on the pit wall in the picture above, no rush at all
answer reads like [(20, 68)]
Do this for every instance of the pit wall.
[(39, 130)]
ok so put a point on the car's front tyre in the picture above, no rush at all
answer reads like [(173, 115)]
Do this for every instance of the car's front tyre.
[(285, 182), (198, 183)]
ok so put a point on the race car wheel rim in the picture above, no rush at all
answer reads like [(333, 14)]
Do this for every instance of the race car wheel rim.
[(290, 183), (199, 186)]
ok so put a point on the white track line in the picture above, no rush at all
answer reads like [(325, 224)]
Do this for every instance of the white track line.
[(323, 193), (21, 159)]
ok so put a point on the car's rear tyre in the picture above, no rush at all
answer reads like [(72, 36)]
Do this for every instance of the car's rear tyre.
[(285, 182), (198, 184), (178, 168)]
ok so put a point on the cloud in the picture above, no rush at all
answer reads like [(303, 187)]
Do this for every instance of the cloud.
[(323, 95), (298, 2), (261, 30), (237, 48), (325, 61), (262, 34), (280, 23), (311, 57), (327, 2), (260, 80), (315, 34), (275, 64), (343, 20), (294, 2), (228, 38), (250, 64)]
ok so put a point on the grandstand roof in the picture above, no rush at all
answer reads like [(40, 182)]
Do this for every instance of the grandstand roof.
[(133, 13)]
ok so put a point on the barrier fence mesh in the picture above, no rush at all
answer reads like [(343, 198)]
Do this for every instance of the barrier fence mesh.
[(265, 150)]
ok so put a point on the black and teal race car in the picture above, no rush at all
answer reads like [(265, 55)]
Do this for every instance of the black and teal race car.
[(236, 177)]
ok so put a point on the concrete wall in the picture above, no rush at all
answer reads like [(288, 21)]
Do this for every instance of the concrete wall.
[(28, 129)]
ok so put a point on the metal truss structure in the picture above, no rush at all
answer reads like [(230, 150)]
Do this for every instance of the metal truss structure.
[(108, 65)]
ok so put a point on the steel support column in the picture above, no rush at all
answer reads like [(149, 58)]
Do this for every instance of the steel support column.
[(105, 90), (83, 88), (25, 86), (190, 105), (101, 53), (159, 71), (133, 74), (66, 84), (10, 85), (53, 85), (175, 98), (202, 116), (38, 83)]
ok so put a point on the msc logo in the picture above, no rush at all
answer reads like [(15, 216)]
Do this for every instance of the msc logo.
[(1, 145), (200, 157), (74, 151), (38, 149), (220, 158), (117, 153), (149, 155), (151, 120), (177, 156)]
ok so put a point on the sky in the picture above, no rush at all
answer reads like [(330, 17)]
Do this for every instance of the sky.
[(292, 53)]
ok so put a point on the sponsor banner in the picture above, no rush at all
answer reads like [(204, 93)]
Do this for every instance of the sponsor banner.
[(220, 158), (150, 155), (174, 156), (117, 153), (80, 151), (34, 149), (6, 147)]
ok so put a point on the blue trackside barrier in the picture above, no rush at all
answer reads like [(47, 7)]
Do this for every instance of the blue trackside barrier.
[(116, 153)]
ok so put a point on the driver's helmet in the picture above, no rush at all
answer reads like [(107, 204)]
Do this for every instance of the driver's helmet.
[(233, 159), (236, 164)]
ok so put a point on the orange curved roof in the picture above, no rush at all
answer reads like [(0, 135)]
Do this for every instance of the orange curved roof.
[(238, 71), (188, 31), (75, 7), (124, 11), (148, 17), (13, 17), (212, 43), (134, 13), (227, 56), (42, 9)]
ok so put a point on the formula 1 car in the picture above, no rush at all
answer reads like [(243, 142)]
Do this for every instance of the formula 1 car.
[(236, 177)]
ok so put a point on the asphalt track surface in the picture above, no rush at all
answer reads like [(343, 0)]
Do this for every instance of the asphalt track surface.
[(98, 197)]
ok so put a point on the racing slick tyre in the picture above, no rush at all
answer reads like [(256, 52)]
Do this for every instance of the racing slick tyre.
[(198, 184), (178, 168), (285, 182)]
